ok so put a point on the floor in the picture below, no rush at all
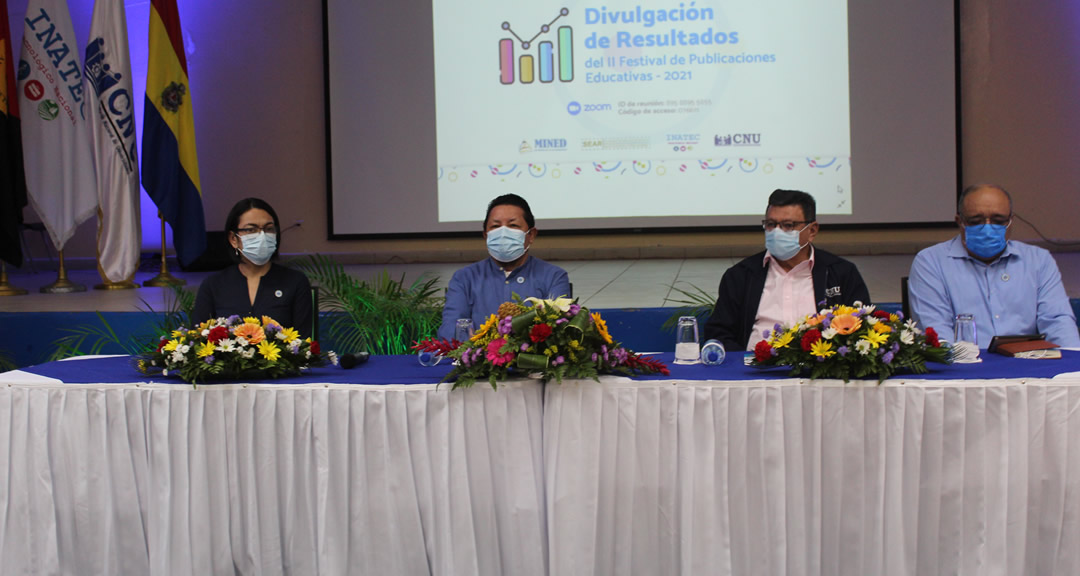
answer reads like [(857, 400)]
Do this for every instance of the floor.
[(597, 283)]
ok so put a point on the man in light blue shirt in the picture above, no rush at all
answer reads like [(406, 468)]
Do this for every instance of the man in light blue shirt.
[(477, 290), (1010, 287)]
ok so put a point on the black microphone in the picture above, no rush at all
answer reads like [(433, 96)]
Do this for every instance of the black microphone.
[(348, 361)]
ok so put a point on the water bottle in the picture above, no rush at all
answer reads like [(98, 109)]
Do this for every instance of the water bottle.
[(713, 353)]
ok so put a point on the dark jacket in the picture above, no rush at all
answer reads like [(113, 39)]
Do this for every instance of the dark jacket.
[(836, 281)]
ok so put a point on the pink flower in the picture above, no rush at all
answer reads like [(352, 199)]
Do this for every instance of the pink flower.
[(493, 354)]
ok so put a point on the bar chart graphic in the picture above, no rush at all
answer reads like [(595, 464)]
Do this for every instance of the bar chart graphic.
[(549, 60)]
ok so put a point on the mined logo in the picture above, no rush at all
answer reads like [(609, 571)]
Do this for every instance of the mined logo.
[(48, 110)]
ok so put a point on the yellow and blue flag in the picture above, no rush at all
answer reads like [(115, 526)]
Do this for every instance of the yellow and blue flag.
[(170, 167)]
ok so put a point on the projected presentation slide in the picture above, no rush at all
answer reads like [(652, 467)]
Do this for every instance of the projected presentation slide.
[(596, 106)]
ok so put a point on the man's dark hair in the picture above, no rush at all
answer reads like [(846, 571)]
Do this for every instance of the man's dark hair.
[(791, 197), (511, 200), (973, 188), (232, 221)]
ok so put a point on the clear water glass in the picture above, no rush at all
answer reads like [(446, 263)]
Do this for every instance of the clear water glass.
[(463, 329), (964, 329), (687, 350)]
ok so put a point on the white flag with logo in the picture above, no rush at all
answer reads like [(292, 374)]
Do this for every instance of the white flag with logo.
[(55, 128), (111, 113)]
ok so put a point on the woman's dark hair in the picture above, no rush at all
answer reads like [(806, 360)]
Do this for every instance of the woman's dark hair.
[(232, 222)]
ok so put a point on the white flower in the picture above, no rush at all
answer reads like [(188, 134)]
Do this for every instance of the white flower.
[(857, 304), (241, 341), (248, 353), (332, 356), (863, 347), (911, 325), (562, 303), (178, 356), (828, 333), (280, 335), (185, 348), (907, 337), (870, 320), (165, 372), (206, 332), (307, 354)]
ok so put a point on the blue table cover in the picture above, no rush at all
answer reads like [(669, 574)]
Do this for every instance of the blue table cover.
[(406, 370)]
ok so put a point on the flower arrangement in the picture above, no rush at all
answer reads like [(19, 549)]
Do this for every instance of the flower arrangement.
[(846, 342), (233, 347), (556, 338)]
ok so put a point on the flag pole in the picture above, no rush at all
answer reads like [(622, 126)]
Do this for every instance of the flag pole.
[(62, 284), (5, 288), (163, 278)]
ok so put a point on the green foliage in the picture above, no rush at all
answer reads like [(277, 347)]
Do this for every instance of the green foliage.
[(383, 316), (93, 338), (6, 363), (693, 302)]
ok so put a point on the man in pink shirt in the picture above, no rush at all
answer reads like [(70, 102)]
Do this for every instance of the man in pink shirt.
[(786, 282)]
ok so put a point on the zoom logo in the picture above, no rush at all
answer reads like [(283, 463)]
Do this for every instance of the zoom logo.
[(575, 108)]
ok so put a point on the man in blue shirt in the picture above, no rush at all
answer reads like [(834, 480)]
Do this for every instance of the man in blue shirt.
[(477, 290), (1010, 287)]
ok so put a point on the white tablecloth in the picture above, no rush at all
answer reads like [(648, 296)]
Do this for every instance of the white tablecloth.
[(270, 479), (967, 477)]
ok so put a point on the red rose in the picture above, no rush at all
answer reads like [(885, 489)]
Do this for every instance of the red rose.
[(763, 351), (932, 338), (539, 332), (217, 333), (808, 339), (315, 347), (162, 344), (881, 314)]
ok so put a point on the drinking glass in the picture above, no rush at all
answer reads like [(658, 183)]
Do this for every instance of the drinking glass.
[(964, 329), (687, 350), (463, 329)]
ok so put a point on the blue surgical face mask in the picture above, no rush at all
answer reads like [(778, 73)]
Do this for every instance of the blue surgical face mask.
[(258, 248), (985, 240), (783, 245), (506, 244)]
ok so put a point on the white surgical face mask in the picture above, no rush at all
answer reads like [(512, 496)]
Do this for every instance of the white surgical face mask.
[(258, 248), (506, 244), (783, 245)]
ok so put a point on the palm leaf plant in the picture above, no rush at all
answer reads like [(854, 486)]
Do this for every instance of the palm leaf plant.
[(381, 316), (86, 339), (693, 302)]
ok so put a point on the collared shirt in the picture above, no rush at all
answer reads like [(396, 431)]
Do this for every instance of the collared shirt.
[(787, 298), (477, 290), (1018, 293)]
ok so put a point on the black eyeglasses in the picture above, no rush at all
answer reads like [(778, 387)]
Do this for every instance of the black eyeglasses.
[(269, 229), (786, 225)]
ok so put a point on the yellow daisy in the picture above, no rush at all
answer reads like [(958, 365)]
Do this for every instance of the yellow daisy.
[(289, 334), (822, 349), (782, 340), (843, 309), (875, 338), (179, 333), (484, 328), (251, 320), (894, 318), (269, 350), (173, 344), (882, 328), (205, 349), (601, 327)]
